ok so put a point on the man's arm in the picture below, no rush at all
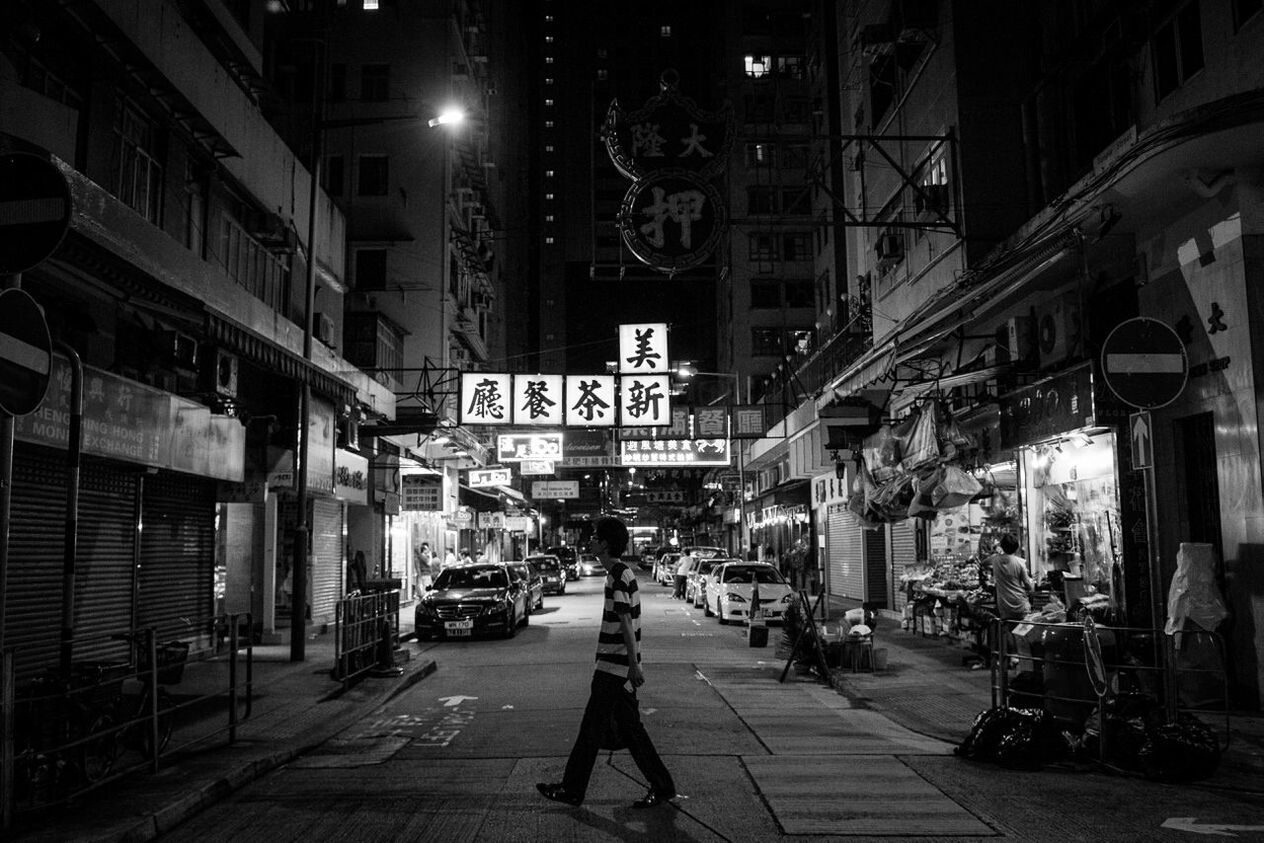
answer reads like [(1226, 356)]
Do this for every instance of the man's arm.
[(635, 675)]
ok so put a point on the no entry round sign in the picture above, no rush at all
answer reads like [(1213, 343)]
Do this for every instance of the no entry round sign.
[(1144, 363), (34, 210), (26, 356)]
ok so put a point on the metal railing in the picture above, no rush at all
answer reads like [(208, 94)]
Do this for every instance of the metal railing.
[(1073, 671), (366, 629), (65, 734)]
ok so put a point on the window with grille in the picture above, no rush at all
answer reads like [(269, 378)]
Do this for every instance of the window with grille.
[(758, 65), (375, 82), (761, 155), (790, 66), (763, 247), (370, 269), (1177, 47), (137, 171), (249, 263), (374, 175), (796, 246), (765, 295), (766, 342)]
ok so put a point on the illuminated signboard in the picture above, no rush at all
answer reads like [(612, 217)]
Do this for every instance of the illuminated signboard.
[(567, 489), (530, 467), (485, 398), (590, 400), (538, 399), (482, 478), (677, 453), (643, 349), (644, 400), (516, 447)]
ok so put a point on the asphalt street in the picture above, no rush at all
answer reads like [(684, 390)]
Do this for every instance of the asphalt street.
[(456, 757)]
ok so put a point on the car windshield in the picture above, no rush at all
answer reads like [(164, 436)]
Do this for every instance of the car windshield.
[(752, 573), (705, 566), (544, 563), (472, 577)]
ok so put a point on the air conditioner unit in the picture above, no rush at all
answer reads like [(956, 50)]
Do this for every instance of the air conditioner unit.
[(1057, 329), (218, 372), (1019, 339), (323, 325), (889, 247)]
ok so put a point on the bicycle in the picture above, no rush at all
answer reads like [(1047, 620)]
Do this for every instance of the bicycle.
[(67, 734), (136, 711)]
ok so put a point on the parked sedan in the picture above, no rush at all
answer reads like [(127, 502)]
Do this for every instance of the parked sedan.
[(531, 581), (666, 570), (590, 565), (570, 562), (472, 599), (735, 583), (551, 573), (694, 580)]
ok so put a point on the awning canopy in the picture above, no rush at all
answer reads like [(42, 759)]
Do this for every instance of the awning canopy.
[(478, 500)]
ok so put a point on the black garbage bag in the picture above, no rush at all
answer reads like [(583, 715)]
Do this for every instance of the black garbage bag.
[(1016, 737), (1184, 751), (1127, 720)]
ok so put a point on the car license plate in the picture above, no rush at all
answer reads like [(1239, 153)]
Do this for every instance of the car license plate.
[(458, 628)]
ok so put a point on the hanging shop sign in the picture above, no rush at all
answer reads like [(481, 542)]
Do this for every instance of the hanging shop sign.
[(672, 220), (643, 349), (491, 520), (129, 421), (590, 400), (588, 449), (517, 447), (519, 523), (486, 398), (669, 132), (678, 429), (537, 399), (1144, 363), (528, 468), (675, 453), (563, 489), (483, 478), (644, 400), (420, 493), (1052, 406), (351, 477)]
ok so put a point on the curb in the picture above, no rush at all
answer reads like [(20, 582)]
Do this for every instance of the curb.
[(162, 820)]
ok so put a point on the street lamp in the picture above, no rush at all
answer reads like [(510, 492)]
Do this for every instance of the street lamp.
[(685, 371), (451, 116)]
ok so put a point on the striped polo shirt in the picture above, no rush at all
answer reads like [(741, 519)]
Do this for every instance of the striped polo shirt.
[(622, 597)]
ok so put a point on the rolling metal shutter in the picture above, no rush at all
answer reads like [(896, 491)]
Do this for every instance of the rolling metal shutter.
[(177, 556), (844, 546), (903, 555), (327, 558), (876, 568), (103, 580)]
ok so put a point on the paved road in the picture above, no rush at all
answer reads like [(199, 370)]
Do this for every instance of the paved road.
[(457, 756)]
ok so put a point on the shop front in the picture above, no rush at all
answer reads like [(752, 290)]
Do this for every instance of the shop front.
[(780, 530)]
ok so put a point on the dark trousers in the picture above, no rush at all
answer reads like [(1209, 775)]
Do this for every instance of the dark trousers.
[(608, 698), (680, 588)]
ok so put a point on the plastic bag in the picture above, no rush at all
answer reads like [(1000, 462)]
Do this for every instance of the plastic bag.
[(881, 452), (1194, 594), (956, 488), (953, 441), (923, 505), (893, 500), (922, 447), (1184, 751), (1024, 737)]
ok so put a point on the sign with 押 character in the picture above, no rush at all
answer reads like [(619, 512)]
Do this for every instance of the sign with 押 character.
[(486, 398), (538, 399)]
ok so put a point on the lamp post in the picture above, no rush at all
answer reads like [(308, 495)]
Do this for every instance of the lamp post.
[(686, 371)]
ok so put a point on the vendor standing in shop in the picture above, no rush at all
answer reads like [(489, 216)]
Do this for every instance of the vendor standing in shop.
[(1013, 583)]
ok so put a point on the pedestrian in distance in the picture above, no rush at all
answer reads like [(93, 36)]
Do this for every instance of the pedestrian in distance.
[(681, 574), (357, 572), (611, 704)]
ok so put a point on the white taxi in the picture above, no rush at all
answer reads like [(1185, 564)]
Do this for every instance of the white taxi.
[(732, 586)]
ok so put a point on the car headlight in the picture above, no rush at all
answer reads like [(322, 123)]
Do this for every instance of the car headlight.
[(425, 609), (735, 598)]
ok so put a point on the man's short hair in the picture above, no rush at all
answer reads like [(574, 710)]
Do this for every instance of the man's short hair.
[(1009, 544), (613, 532)]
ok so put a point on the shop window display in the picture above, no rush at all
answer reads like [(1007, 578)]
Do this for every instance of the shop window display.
[(1072, 514)]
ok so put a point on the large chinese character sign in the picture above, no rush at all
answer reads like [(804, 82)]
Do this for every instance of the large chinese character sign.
[(672, 217)]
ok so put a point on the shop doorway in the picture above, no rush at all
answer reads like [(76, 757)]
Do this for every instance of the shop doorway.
[(1197, 435)]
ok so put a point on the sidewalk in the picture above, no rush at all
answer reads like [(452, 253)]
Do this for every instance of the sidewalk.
[(926, 688), (297, 705)]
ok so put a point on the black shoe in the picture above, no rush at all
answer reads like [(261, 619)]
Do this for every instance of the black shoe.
[(653, 798), (558, 794)]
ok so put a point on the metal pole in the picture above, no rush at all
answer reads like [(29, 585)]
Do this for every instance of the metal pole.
[(71, 549), (11, 282), (742, 536), (298, 591)]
